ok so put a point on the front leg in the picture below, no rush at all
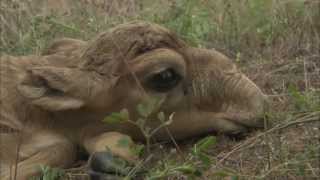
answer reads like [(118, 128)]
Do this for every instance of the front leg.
[(106, 151), (194, 123)]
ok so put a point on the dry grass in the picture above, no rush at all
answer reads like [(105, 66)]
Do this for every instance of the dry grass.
[(276, 42)]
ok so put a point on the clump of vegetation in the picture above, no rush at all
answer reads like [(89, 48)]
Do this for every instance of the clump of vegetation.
[(194, 165), (196, 162), (145, 110), (49, 173), (308, 101), (190, 19)]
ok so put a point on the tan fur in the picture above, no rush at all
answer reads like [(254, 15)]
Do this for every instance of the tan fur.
[(51, 103)]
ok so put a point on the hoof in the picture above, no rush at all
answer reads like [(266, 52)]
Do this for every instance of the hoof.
[(106, 166), (103, 176)]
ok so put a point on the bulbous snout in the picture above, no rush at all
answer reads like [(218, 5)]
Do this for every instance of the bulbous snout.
[(218, 86)]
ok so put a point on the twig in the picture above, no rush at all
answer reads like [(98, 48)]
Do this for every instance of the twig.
[(312, 170), (313, 117), (174, 142), (139, 165), (128, 67), (282, 165), (306, 81)]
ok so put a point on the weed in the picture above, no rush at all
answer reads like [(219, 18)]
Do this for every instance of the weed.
[(49, 173), (194, 165), (304, 101), (145, 110), (197, 160)]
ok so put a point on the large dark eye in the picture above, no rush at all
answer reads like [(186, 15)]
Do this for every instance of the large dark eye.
[(164, 80)]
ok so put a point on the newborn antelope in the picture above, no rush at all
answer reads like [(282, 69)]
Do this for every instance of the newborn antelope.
[(52, 103)]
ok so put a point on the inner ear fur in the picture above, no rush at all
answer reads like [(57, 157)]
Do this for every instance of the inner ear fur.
[(56, 89)]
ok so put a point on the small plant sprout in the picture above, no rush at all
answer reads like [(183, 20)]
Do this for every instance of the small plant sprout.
[(197, 162), (49, 173), (145, 110)]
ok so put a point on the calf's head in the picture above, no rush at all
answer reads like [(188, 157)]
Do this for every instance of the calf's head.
[(130, 63)]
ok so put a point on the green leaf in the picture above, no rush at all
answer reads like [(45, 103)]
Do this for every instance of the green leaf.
[(49, 173), (124, 142), (143, 110), (117, 117), (146, 108), (221, 174), (186, 169), (205, 143), (124, 114), (234, 177), (137, 149), (205, 159)]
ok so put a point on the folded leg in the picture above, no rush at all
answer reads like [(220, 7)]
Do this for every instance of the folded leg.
[(42, 148), (109, 155)]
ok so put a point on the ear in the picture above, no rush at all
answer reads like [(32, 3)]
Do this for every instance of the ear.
[(56, 89), (64, 45)]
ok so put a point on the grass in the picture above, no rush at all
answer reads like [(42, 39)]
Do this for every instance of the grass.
[(275, 42)]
